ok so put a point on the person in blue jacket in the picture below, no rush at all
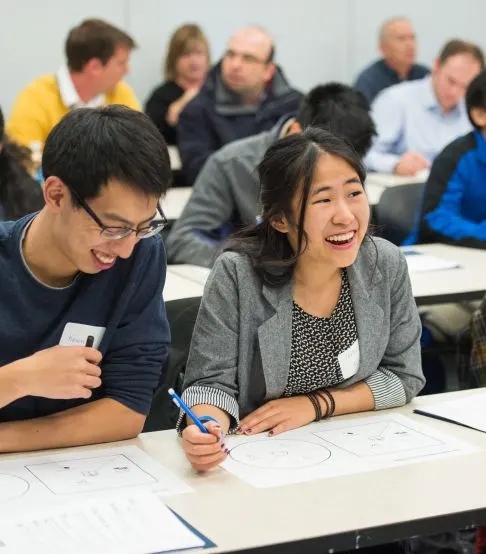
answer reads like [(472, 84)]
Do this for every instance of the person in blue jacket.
[(83, 330), (454, 204)]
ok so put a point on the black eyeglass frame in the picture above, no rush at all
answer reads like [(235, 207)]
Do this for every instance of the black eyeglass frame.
[(124, 231)]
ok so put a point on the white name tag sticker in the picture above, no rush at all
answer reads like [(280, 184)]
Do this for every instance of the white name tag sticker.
[(349, 360), (76, 334)]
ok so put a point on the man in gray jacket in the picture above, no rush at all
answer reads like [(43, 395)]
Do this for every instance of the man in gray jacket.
[(226, 193)]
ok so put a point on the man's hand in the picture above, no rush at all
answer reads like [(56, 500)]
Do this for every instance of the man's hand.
[(62, 372), (411, 163), (278, 416)]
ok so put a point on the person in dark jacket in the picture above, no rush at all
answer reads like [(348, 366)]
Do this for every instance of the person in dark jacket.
[(185, 69), (226, 193), (454, 205), (398, 46), (245, 94), (20, 194)]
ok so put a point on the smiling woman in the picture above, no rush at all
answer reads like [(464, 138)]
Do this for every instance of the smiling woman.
[(304, 316)]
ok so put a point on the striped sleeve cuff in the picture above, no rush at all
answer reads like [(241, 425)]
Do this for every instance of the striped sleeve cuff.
[(387, 389), (213, 396)]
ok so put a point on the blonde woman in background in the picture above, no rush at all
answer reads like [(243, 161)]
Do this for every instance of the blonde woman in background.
[(185, 69)]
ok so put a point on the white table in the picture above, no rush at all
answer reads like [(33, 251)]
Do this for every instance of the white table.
[(177, 287), (194, 273), (175, 159), (376, 183), (175, 201), (335, 513), (466, 283)]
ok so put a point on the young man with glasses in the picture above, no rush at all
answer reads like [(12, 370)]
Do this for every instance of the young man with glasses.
[(245, 93), (83, 331)]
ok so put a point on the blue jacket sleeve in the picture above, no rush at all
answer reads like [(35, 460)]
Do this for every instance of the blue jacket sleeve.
[(196, 139), (131, 368), (447, 219)]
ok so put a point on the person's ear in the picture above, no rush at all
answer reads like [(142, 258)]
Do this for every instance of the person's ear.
[(478, 115), (436, 66), (269, 71), (93, 66), (295, 128), (382, 49), (55, 194), (280, 224)]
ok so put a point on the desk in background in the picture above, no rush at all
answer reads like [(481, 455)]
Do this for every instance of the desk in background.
[(463, 284), (177, 286), (175, 159), (376, 183), (194, 273), (175, 201), (466, 283)]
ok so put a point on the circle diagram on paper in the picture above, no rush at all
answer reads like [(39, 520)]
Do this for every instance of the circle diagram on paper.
[(12, 487), (280, 454)]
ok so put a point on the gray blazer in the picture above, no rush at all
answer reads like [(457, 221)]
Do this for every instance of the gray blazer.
[(240, 349)]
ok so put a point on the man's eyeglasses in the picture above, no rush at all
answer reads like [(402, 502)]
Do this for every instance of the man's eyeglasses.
[(115, 233), (248, 59)]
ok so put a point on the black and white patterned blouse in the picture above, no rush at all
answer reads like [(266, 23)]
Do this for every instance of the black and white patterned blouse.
[(323, 348)]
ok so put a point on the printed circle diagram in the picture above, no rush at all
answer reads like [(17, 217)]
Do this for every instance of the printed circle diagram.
[(12, 487), (280, 454)]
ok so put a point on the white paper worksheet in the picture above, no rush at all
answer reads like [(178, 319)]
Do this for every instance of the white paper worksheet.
[(419, 262), (25, 481), (335, 448), (121, 523)]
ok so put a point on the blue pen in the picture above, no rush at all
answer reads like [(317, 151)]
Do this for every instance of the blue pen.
[(185, 408)]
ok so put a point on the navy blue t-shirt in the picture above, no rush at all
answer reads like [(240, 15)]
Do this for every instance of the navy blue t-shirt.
[(126, 300)]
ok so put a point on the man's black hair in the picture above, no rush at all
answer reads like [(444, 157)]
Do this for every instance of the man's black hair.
[(476, 95), (90, 147), (343, 111)]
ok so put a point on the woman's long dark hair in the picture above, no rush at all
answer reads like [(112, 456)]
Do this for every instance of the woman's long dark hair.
[(20, 194), (288, 165)]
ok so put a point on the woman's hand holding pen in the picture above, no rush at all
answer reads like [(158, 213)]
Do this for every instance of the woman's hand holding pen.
[(204, 450), (278, 416)]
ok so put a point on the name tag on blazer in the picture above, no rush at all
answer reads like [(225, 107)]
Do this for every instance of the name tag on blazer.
[(349, 360), (76, 334)]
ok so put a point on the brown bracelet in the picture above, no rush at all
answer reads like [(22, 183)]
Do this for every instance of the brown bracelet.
[(326, 402), (319, 409), (325, 393), (317, 406)]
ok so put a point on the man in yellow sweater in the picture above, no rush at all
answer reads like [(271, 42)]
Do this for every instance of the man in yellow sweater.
[(97, 56)]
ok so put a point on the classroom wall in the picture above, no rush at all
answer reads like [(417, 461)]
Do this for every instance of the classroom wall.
[(317, 40)]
